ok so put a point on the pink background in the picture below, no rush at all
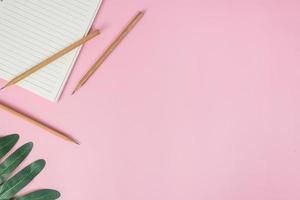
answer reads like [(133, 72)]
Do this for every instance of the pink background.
[(201, 101)]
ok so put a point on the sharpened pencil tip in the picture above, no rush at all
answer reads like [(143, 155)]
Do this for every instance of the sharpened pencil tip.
[(73, 140), (2, 88), (75, 90), (76, 142), (5, 86)]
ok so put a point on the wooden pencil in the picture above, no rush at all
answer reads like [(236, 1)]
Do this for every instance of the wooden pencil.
[(109, 50), (38, 123), (52, 58)]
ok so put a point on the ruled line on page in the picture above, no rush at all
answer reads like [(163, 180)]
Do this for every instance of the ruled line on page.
[(41, 24), (22, 60)]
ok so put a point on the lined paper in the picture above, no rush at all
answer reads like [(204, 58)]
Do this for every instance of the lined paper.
[(31, 31)]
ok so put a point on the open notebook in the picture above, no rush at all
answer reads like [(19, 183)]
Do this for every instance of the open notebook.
[(33, 30)]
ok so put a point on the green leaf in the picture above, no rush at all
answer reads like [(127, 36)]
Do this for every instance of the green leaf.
[(7, 143), (14, 160), (40, 195), (21, 179)]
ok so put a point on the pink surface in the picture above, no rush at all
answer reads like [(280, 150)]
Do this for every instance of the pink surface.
[(201, 101)]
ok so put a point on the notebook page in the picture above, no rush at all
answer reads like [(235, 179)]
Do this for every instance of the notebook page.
[(31, 31)]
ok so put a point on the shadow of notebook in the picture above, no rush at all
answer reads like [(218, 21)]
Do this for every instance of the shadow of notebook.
[(31, 31)]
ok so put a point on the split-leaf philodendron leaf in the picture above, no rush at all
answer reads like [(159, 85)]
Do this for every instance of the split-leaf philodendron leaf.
[(10, 186)]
